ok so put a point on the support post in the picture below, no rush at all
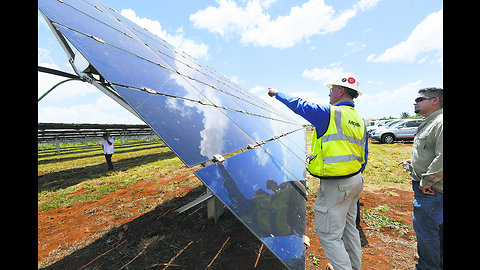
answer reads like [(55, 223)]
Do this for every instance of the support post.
[(215, 208), (57, 145)]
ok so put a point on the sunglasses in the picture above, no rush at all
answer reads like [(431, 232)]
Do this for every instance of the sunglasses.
[(420, 99)]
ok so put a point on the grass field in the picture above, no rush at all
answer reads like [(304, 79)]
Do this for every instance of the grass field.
[(78, 168), (148, 177)]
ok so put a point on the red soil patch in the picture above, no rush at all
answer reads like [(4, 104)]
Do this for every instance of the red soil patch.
[(118, 228), (387, 248), (66, 225)]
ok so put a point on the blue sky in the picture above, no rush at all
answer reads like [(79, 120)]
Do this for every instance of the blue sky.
[(394, 48)]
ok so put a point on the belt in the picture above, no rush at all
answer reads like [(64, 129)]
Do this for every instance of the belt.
[(335, 177)]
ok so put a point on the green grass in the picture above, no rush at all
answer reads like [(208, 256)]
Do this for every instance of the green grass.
[(80, 174), (374, 217), (382, 170)]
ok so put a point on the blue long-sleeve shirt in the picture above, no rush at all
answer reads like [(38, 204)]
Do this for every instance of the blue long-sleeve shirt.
[(317, 114)]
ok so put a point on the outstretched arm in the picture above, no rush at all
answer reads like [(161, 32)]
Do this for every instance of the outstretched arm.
[(317, 115)]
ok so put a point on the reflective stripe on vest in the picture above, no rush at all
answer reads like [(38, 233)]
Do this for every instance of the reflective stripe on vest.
[(336, 164), (340, 136)]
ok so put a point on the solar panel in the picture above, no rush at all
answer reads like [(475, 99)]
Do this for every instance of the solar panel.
[(266, 196), (124, 59), (199, 114)]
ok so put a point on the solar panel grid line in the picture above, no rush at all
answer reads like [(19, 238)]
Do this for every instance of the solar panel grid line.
[(175, 71), (234, 122), (101, 10), (155, 92), (268, 199), (172, 70), (165, 44), (106, 43), (150, 91), (274, 155), (240, 111), (265, 107), (198, 121), (183, 148), (228, 83)]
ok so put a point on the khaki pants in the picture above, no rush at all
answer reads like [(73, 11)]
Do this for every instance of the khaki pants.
[(335, 214)]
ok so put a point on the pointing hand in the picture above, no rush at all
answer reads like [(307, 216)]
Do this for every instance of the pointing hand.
[(272, 92)]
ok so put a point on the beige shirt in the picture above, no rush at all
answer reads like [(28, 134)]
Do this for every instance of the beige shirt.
[(427, 154)]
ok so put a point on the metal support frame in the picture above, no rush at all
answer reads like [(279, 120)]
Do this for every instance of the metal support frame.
[(195, 202), (88, 77), (215, 207)]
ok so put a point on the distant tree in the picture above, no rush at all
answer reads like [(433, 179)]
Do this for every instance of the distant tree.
[(404, 115)]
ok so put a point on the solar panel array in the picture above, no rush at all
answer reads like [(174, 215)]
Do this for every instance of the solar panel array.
[(199, 114)]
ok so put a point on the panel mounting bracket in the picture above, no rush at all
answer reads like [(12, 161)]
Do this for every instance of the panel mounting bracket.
[(83, 74), (215, 207), (218, 158)]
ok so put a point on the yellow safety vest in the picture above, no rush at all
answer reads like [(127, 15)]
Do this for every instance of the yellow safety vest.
[(340, 152)]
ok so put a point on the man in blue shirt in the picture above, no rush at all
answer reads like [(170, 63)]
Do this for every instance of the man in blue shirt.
[(337, 200)]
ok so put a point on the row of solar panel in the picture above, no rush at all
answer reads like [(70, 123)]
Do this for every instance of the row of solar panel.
[(122, 59), (94, 20), (263, 187)]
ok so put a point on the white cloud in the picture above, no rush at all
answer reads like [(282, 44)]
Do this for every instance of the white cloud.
[(69, 102), (427, 36), (256, 27), (67, 91), (388, 102), (197, 50), (86, 113), (322, 74), (405, 92), (353, 47), (319, 96), (257, 90), (366, 4)]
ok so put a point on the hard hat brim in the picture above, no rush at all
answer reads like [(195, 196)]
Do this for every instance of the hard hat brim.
[(331, 85)]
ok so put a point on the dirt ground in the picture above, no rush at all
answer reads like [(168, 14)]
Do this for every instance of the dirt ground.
[(387, 248), (93, 235)]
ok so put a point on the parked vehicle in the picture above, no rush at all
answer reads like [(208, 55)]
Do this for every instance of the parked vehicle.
[(371, 126), (404, 129)]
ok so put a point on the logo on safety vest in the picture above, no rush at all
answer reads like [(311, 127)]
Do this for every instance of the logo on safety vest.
[(353, 123)]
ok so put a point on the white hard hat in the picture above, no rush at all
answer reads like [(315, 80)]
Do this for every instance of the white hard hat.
[(345, 79)]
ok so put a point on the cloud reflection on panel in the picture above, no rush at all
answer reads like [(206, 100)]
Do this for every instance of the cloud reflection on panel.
[(215, 123), (182, 125), (265, 198)]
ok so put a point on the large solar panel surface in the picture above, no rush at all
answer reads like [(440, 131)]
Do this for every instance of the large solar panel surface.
[(199, 114), (134, 62), (266, 195)]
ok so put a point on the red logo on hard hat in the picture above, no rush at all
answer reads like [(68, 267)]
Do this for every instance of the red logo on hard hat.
[(351, 80)]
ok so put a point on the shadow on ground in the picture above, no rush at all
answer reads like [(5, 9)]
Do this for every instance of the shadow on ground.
[(93, 151), (66, 178), (153, 239)]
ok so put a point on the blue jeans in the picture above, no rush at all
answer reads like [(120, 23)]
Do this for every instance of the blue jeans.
[(427, 218)]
